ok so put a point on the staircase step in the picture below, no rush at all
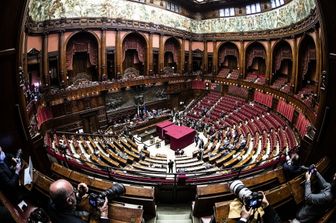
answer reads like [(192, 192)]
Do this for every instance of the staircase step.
[(176, 208), (172, 216), (174, 221)]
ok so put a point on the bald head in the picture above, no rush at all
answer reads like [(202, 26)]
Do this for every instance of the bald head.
[(62, 195)]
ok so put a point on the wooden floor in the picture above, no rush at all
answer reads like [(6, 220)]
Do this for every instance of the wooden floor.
[(165, 148)]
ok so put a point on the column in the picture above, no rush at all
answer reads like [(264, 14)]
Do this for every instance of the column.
[(161, 54), (205, 57), (268, 62), (182, 61), (118, 54), (242, 59), (45, 65), (294, 78), (318, 59), (103, 74), (61, 62), (190, 56), (150, 54), (215, 58), (25, 58)]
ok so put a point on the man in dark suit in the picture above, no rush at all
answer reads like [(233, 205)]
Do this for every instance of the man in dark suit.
[(64, 203), (316, 203), (9, 177), (9, 183), (170, 166)]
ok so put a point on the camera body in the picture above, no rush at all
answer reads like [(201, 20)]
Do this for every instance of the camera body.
[(312, 169), (97, 200), (250, 199)]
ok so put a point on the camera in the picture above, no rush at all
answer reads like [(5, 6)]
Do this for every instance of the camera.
[(16, 160), (18, 156), (249, 198), (312, 169), (97, 200)]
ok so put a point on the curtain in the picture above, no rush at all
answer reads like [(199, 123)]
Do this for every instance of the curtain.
[(78, 46), (171, 47), (136, 44)]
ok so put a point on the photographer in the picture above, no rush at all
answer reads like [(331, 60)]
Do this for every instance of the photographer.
[(9, 182), (316, 203), (10, 168), (292, 165), (270, 216), (65, 200)]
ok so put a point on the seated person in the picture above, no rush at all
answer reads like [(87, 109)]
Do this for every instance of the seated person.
[(230, 147), (221, 149), (316, 203), (226, 142), (242, 143), (64, 202)]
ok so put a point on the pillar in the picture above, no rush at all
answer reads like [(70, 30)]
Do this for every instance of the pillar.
[(161, 54), (215, 58), (150, 54), (61, 52), (268, 62), (205, 57), (295, 77), (190, 56), (103, 57), (182, 61), (318, 59), (242, 59), (118, 54), (45, 64)]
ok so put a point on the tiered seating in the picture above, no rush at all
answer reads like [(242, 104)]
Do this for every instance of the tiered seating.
[(264, 133), (306, 95), (238, 91), (279, 83), (204, 105), (286, 88), (251, 77), (234, 74), (224, 72), (225, 105), (255, 78)]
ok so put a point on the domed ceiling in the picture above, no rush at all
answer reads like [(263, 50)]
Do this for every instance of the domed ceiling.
[(284, 16)]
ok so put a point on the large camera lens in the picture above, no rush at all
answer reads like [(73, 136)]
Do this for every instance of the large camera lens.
[(238, 188), (97, 200), (115, 191), (249, 198)]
